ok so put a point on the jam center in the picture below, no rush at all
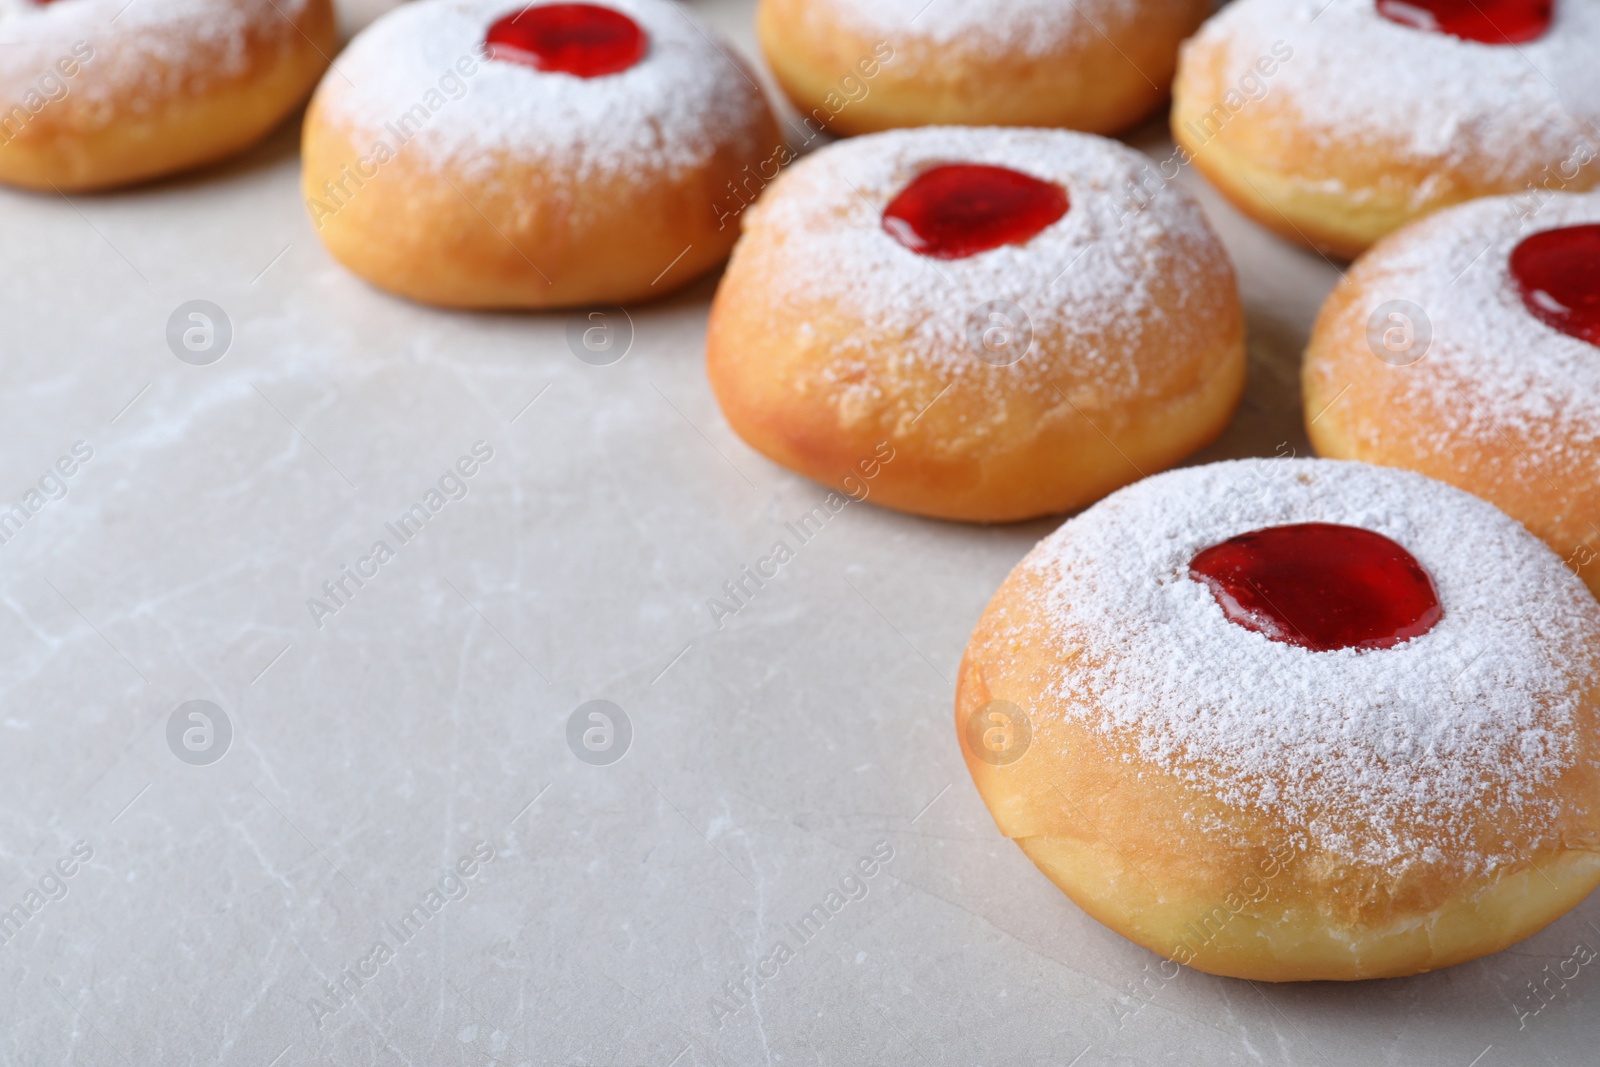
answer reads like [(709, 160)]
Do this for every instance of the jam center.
[(1558, 274), (1484, 21), (582, 39), (1320, 586), (960, 209)]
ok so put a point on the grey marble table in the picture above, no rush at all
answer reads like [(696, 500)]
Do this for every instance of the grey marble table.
[(398, 857)]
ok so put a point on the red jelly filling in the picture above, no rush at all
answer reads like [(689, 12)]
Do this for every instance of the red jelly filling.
[(1485, 21), (1558, 274), (961, 209), (582, 39), (1321, 586)]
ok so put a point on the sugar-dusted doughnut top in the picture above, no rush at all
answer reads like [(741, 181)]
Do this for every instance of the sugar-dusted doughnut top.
[(993, 27), (1359, 82), (1493, 364), (139, 54), (1092, 280), (1375, 755), (667, 113)]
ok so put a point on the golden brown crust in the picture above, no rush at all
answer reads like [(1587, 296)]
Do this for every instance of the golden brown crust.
[(529, 235), (1100, 80), (97, 136), (769, 368), (1229, 891)]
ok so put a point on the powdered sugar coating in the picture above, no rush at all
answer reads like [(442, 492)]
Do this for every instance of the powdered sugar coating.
[(1358, 749), (144, 53), (1096, 276), (1357, 78), (1492, 366), (666, 115), (996, 27)]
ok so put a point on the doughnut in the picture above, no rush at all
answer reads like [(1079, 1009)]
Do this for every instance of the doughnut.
[(101, 93), (1095, 65), (1335, 123), (480, 154), (1295, 719), (1467, 347), (984, 305)]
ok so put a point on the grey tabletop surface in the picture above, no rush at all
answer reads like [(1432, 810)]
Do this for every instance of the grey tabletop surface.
[(372, 842)]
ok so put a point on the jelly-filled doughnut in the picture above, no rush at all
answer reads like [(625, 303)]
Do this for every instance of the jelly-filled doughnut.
[(1467, 347), (99, 93), (492, 154), (1094, 65), (985, 303), (1335, 122), (1295, 719)]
